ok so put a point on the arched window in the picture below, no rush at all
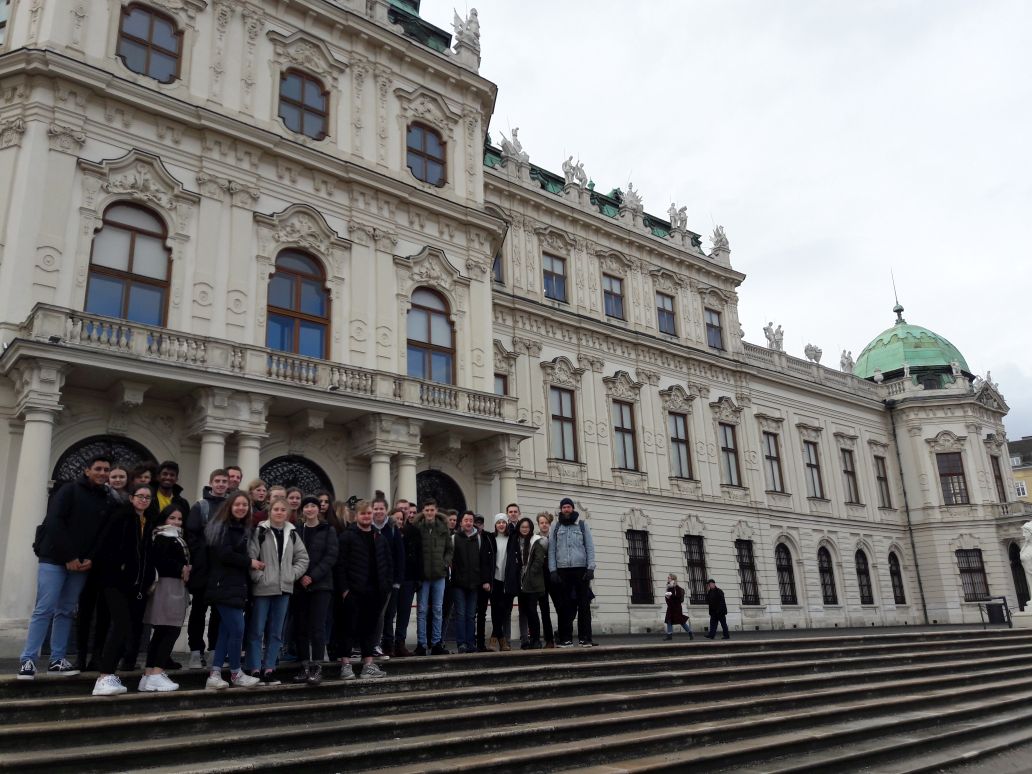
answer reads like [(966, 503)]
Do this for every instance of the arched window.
[(129, 266), (425, 156), (786, 574), (304, 104), (899, 596), (863, 579), (299, 306), (149, 43), (431, 339), (827, 573)]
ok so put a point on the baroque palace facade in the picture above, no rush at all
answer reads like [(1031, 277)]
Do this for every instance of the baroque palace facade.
[(277, 234)]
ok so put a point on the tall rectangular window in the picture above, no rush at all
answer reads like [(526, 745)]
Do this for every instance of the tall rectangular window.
[(680, 460), (728, 456), (881, 472), (497, 273), (714, 331), (501, 384), (695, 561), (612, 296), (972, 574), (1020, 489), (747, 572), (1001, 491), (554, 278), (812, 462), (951, 477), (772, 463), (665, 316), (640, 566), (5, 12), (849, 477), (564, 424), (623, 435)]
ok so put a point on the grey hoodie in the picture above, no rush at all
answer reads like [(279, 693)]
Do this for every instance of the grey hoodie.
[(280, 570)]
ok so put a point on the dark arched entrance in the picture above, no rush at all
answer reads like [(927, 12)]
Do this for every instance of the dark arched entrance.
[(1018, 572), (295, 470), (433, 484), (123, 452)]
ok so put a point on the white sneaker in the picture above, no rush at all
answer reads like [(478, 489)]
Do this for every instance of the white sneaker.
[(144, 685), (162, 683), (243, 680), (215, 682), (371, 672), (378, 653), (196, 662), (108, 685)]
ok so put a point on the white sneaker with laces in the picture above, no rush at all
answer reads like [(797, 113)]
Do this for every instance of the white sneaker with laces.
[(243, 680), (215, 682), (162, 683), (108, 685), (371, 672), (144, 685), (196, 662)]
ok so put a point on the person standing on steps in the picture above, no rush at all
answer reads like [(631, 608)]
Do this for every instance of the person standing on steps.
[(471, 573), (505, 583), (436, 544), (571, 567), (532, 551), (674, 611), (313, 592), (544, 522), (166, 604), (194, 531), (384, 524), (717, 610)]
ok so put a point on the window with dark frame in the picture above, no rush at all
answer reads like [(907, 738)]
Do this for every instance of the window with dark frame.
[(951, 478), (812, 463), (666, 317), (501, 384), (129, 266), (149, 43), (881, 472), (497, 274), (623, 435), (680, 456), (5, 14), (729, 471), (431, 338), (899, 595), (863, 579), (304, 104), (849, 476), (972, 574), (425, 154), (695, 563), (772, 463), (786, 575), (299, 306), (554, 277), (612, 296), (639, 564), (747, 572), (1001, 491), (564, 424), (827, 573), (714, 329)]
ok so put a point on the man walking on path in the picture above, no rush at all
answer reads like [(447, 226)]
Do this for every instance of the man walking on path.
[(717, 610)]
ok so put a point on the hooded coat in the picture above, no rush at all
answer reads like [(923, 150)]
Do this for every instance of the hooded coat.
[(435, 538), (354, 571), (283, 564), (228, 581), (322, 546), (532, 571), (77, 516), (193, 530)]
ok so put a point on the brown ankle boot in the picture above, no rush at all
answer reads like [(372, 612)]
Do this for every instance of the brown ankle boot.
[(503, 644), (492, 643)]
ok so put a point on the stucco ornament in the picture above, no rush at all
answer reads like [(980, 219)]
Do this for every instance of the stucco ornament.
[(467, 30), (632, 199), (513, 148), (719, 239), (813, 353)]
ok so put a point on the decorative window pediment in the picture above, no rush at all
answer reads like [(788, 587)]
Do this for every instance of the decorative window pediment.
[(183, 10), (725, 410), (620, 386), (504, 361), (614, 263), (769, 423), (552, 240), (302, 227), (636, 518), (965, 542), (666, 281), (431, 267), (426, 107), (878, 447), (692, 525), (846, 441), (560, 372), (809, 432), (676, 399), (989, 397), (306, 52), (946, 441), (742, 531)]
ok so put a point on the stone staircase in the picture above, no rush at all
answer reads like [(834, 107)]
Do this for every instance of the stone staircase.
[(888, 702)]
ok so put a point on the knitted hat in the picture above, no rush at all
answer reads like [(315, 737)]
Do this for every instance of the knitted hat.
[(710, 580), (500, 517), (309, 500), (566, 501)]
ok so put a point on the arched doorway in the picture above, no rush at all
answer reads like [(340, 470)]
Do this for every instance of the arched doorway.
[(123, 452), (433, 484), (295, 470), (1018, 572)]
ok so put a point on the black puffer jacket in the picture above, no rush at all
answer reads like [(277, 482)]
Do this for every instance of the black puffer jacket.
[(228, 564), (77, 516), (413, 545), (353, 570), (123, 558), (193, 530), (323, 547), (472, 562), (512, 563)]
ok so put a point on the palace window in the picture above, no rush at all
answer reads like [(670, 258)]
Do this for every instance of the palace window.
[(304, 104), (431, 338), (149, 43), (554, 277), (5, 14), (564, 424), (812, 463), (972, 574), (299, 306), (501, 384), (881, 472), (425, 156), (623, 435), (849, 477), (612, 296), (639, 564), (899, 595), (863, 579), (772, 463), (827, 573), (680, 459), (714, 331), (129, 266), (747, 572), (1020, 489), (786, 575), (497, 273), (951, 478), (1001, 491), (728, 455), (665, 315), (695, 561)]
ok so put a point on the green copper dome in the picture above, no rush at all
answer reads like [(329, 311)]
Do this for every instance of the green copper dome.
[(905, 344)]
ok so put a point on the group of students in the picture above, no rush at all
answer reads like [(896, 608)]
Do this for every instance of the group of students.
[(261, 565)]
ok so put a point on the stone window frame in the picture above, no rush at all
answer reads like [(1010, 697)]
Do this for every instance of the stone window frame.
[(427, 348), (155, 13), (302, 106), (561, 372), (848, 443), (812, 434), (505, 366), (636, 521), (184, 13), (795, 550), (880, 450), (772, 425), (870, 570), (621, 388), (715, 300), (306, 54), (670, 284), (422, 106), (896, 552), (558, 244), (835, 567), (947, 442), (677, 400), (725, 411)]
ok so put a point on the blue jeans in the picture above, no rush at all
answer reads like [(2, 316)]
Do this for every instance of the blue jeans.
[(405, 595), (231, 638), (465, 602), (430, 592), (57, 593), (267, 617)]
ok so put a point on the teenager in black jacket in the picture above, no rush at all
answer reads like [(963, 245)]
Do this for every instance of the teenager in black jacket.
[(472, 568), (312, 594), (166, 604)]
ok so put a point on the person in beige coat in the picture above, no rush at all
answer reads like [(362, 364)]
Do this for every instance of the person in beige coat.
[(275, 543)]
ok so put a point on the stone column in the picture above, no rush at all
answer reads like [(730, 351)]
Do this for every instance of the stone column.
[(213, 455), (406, 477), (507, 481), (249, 447), (379, 472)]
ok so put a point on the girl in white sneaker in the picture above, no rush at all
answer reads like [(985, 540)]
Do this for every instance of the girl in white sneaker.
[(166, 606)]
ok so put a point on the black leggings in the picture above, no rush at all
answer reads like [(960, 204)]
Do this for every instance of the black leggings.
[(114, 645), (163, 639), (501, 610), (310, 609)]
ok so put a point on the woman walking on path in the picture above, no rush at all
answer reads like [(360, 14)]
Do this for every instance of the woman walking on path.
[(166, 605), (674, 612)]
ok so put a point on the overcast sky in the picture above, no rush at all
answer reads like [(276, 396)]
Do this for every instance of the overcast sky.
[(834, 141)]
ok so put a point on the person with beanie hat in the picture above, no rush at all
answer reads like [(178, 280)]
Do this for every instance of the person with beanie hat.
[(505, 583), (571, 567), (313, 591)]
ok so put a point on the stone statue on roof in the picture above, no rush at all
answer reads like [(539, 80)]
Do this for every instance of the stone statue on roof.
[(580, 175), (719, 239), (813, 353), (570, 171), (846, 362), (513, 149), (632, 199), (779, 339), (467, 30), (678, 217), (768, 331)]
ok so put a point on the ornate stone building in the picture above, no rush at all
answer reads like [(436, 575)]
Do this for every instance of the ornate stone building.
[(277, 234)]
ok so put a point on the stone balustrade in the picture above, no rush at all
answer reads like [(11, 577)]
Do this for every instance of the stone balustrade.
[(782, 362)]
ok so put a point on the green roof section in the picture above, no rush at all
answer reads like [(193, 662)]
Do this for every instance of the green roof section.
[(406, 13), (907, 345)]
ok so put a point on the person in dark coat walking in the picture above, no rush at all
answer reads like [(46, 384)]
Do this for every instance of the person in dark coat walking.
[(314, 590), (674, 612), (717, 610)]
